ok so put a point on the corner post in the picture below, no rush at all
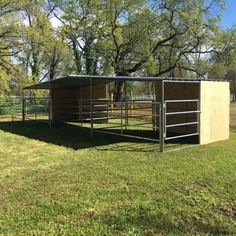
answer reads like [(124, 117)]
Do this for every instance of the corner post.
[(162, 117), (198, 121)]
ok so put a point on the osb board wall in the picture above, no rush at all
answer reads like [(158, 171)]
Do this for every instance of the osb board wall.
[(180, 91), (98, 91), (63, 104), (66, 105), (214, 119)]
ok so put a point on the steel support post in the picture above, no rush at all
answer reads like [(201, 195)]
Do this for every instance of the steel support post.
[(81, 112), (162, 117), (153, 116), (91, 118), (91, 107), (36, 106), (50, 109), (121, 118), (23, 106), (126, 107), (198, 121), (107, 110), (12, 110)]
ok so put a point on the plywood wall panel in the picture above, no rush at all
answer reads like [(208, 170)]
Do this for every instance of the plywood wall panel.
[(66, 104), (215, 102)]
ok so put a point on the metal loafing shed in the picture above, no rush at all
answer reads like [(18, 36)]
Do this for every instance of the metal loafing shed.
[(180, 108)]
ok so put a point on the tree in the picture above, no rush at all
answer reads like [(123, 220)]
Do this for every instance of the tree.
[(81, 23), (168, 34), (223, 65), (9, 39)]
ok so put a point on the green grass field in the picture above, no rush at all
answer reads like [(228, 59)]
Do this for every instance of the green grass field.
[(63, 182)]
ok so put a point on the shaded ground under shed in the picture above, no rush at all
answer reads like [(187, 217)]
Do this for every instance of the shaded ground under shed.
[(76, 137)]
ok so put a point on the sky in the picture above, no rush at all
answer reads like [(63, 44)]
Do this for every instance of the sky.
[(229, 15)]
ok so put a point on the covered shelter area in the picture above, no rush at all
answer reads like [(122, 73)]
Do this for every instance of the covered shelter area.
[(177, 109)]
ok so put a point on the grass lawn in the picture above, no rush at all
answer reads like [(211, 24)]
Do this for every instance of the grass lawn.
[(62, 182)]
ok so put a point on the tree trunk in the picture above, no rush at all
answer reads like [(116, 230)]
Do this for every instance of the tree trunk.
[(77, 56), (53, 64), (35, 67), (91, 58), (119, 87)]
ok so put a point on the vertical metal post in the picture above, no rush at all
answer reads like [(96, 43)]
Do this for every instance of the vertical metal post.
[(153, 116), (23, 106), (35, 109), (198, 120), (107, 110), (121, 118), (91, 118), (12, 110), (91, 107), (50, 112), (126, 107), (131, 104), (126, 114), (162, 117), (112, 103), (50, 108), (81, 111)]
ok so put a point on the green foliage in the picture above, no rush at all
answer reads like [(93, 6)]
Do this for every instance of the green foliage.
[(157, 38), (223, 66)]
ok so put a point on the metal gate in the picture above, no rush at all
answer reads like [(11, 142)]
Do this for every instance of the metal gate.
[(191, 112)]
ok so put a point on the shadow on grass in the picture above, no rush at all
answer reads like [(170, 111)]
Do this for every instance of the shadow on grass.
[(77, 137)]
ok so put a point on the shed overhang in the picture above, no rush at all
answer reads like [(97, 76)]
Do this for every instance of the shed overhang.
[(73, 81)]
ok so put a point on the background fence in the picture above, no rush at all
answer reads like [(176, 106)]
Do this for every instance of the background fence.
[(11, 108)]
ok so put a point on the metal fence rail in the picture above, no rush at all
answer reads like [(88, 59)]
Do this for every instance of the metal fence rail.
[(128, 114), (196, 122), (154, 120), (10, 108)]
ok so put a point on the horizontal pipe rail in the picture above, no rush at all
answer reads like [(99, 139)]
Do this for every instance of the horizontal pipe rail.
[(181, 136), (177, 101), (182, 124), (181, 112), (126, 135)]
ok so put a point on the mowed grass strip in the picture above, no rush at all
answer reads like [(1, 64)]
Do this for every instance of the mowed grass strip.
[(62, 182)]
